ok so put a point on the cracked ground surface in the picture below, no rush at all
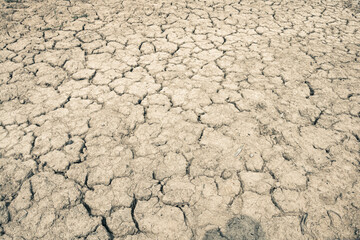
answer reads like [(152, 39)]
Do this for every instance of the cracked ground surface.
[(179, 119)]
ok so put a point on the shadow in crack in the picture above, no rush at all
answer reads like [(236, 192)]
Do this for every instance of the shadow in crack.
[(238, 228)]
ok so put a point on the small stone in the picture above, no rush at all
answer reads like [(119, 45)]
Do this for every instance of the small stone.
[(226, 174)]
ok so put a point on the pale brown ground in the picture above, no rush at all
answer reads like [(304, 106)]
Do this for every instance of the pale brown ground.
[(179, 119)]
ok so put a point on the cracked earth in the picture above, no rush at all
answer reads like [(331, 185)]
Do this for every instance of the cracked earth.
[(179, 119)]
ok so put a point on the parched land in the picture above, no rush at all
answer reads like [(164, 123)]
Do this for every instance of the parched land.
[(185, 119)]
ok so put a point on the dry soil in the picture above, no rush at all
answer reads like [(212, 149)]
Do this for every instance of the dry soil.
[(185, 119)]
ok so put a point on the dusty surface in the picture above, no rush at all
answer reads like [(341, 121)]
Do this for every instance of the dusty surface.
[(179, 119)]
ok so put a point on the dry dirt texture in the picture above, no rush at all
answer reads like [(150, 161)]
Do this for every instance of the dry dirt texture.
[(181, 119)]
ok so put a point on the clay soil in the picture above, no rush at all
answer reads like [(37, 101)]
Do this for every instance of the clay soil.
[(186, 119)]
